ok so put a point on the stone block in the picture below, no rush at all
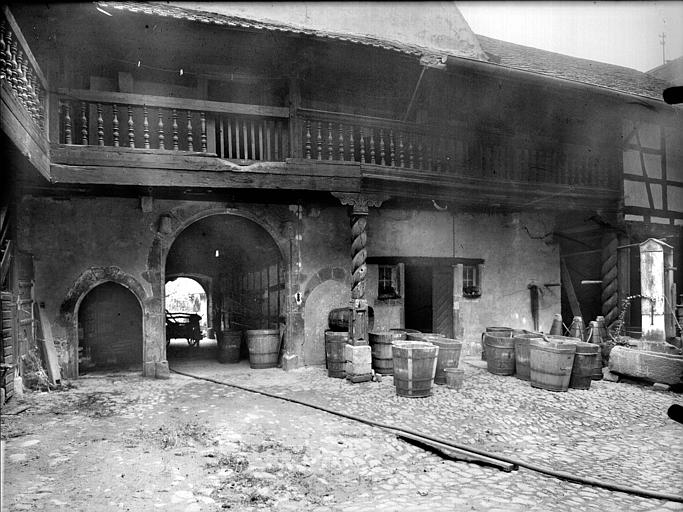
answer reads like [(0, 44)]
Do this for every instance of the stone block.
[(161, 370), (357, 353), (290, 362), (658, 386), (646, 365), (149, 369), (358, 368), (367, 377)]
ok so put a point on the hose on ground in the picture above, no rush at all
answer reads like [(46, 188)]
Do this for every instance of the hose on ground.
[(562, 475)]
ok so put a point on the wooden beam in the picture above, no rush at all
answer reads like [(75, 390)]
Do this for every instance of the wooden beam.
[(273, 178), (569, 289), (24, 133), (177, 103)]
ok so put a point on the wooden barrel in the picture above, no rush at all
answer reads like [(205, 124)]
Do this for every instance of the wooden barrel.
[(551, 362), (502, 331), (229, 345), (584, 364), (500, 353), (380, 345), (338, 319), (334, 353), (414, 368), (521, 342), (449, 356), (264, 345)]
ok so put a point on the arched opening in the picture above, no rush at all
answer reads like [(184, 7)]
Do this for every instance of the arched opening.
[(244, 278), (109, 329)]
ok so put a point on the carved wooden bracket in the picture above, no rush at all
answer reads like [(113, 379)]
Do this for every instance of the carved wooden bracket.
[(361, 202)]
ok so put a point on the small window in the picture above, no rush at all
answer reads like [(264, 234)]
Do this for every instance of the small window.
[(388, 282), (470, 281)]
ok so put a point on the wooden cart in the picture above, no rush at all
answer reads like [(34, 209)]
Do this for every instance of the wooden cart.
[(183, 325)]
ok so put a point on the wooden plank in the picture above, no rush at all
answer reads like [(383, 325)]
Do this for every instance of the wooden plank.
[(177, 103), (46, 340), (569, 289)]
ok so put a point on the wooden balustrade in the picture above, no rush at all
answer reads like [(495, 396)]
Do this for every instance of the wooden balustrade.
[(455, 151), (232, 131), (19, 71)]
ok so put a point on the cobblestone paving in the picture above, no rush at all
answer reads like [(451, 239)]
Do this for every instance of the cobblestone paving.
[(615, 432), (127, 443)]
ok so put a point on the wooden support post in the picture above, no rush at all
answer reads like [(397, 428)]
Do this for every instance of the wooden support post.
[(457, 300), (569, 289), (295, 135)]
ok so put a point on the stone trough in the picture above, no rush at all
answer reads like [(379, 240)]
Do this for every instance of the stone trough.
[(653, 361)]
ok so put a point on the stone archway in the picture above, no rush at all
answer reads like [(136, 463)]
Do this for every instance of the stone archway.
[(169, 228), (87, 281)]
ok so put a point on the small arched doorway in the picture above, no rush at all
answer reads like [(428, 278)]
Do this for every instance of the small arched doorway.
[(109, 328)]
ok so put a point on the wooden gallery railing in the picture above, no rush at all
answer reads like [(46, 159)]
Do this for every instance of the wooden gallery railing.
[(20, 74), (241, 132), (384, 142)]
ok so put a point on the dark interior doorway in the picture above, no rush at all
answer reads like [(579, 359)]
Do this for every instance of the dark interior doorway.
[(110, 328), (418, 297)]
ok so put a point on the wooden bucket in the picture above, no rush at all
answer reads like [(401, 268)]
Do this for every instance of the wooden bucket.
[(521, 342), (500, 353), (382, 355), (502, 331), (264, 345), (414, 368), (334, 353), (229, 345), (584, 365), (551, 362), (449, 356), (454, 377)]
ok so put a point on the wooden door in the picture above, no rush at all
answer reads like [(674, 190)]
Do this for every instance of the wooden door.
[(442, 300), (111, 318)]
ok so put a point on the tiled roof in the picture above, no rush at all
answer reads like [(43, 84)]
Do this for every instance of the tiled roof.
[(502, 53), (618, 78), (172, 11)]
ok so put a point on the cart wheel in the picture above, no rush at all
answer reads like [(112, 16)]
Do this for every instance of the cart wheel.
[(192, 342)]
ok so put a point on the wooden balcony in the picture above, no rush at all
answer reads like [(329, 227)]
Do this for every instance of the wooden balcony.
[(23, 92)]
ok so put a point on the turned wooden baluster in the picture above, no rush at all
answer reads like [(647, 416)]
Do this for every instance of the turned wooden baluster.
[(160, 130), (25, 98), (17, 76), (3, 62), (100, 126), (341, 142), (319, 141), (401, 153), (430, 155), (67, 124), (8, 56), (115, 124), (131, 128), (202, 119), (190, 140), (392, 148), (145, 127), (329, 141), (372, 146), (308, 139), (14, 76), (84, 124), (411, 161), (31, 101), (175, 129), (382, 160), (352, 145), (420, 163), (361, 142)]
